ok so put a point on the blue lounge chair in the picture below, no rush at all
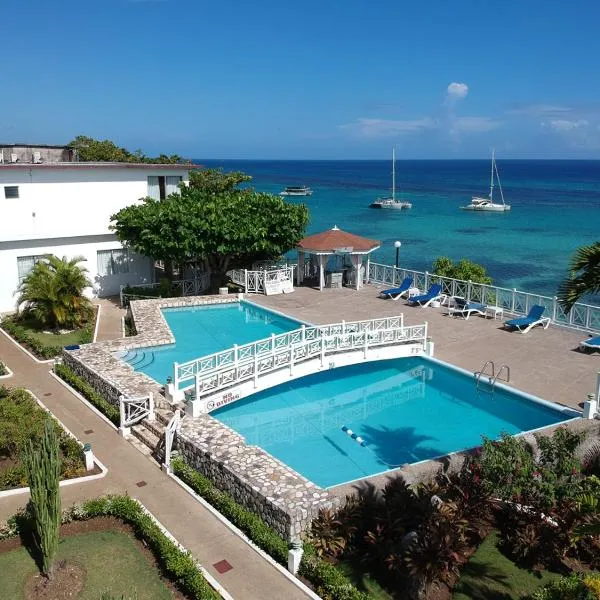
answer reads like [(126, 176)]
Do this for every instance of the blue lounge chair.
[(534, 317), (460, 307), (590, 344), (434, 293), (395, 293)]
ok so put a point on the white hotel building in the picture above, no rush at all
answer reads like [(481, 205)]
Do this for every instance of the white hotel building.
[(64, 208)]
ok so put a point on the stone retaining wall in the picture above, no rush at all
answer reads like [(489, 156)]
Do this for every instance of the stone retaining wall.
[(283, 498)]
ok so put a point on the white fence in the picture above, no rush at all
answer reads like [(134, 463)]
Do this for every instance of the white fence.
[(134, 410), (259, 282), (183, 287), (581, 316)]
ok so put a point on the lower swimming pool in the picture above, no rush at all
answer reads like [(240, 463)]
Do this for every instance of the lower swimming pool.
[(407, 410), (205, 329)]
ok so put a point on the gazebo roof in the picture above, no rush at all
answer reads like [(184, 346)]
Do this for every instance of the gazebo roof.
[(335, 240)]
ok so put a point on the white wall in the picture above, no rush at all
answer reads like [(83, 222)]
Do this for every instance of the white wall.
[(87, 246), (69, 201)]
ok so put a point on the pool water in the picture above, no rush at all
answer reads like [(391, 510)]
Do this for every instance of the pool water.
[(203, 330), (407, 410)]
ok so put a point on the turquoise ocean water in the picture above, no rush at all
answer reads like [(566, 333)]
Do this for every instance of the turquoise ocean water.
[(555, 209)]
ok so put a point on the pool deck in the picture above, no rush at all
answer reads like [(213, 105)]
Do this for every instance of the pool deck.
[(545, 363)]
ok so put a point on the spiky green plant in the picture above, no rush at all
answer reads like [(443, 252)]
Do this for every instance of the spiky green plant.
[(585, 276), (43, 473), (52, 292)]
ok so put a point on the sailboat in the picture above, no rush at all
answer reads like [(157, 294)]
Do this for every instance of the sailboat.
[(488, 204), (390, 201)]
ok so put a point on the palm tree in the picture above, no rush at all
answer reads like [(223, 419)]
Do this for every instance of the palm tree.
[(52, 292), (585, 276)]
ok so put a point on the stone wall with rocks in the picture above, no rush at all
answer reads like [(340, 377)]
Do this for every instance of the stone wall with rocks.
[(283, 498)]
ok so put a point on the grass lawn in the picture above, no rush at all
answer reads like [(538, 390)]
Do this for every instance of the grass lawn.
[(363, 581), (112, 561), (55, 339), (489, 575)]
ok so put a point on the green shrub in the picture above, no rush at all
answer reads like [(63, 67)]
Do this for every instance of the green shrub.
[(22, 420), (3, 369), (329, 582), (88, 392), (572, 587)]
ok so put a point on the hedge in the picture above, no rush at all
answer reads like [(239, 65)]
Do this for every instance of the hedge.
[(577, 586), (88, 392), (43, 351), (3, 369), (177, 565), (329, 582)]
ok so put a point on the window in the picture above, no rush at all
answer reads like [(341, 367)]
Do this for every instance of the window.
[(26, 263), (114, 262), (11, 191), (160, 186)]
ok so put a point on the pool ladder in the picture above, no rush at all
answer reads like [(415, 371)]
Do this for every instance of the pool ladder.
[(493, 376)]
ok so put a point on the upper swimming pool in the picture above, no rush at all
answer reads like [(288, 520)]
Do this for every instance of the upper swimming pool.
[(202, 330), (407, 410)]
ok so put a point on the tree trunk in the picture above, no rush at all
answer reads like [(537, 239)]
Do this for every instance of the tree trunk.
[(217, 280), (169, 269)]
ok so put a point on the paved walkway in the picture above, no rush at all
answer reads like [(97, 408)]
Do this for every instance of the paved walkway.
[(131, 472)]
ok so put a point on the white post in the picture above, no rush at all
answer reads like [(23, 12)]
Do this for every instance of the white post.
[(196, 388), (123, 431), (291, 360), (175, 378), (554, 307), (358, 262), (303, 334), (151, 416), (321, 273), (295, 558), (426, 280), (255, 369), (89, 457), (235, 357), (322, 349), (366, 344), (512, 306), (344, 326), (367, 274)]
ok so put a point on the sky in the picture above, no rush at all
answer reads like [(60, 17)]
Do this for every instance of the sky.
[(317, 79)]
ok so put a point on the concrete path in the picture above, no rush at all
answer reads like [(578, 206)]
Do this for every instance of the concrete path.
[(209, 540)]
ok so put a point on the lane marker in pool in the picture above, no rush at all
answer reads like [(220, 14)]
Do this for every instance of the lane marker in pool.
[(354, 436)]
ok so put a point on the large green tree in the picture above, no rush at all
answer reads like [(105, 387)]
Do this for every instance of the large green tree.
[(89, 149), (213, 222), (584, 276), (52, 292)]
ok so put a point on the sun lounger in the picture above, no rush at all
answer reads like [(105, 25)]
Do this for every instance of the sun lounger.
[(533, 318), (395, 293), (461, 308), (592, 343), (432, 295)]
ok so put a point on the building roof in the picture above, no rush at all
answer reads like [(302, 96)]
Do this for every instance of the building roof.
[(98, 165), (54, 146), (336, 240)]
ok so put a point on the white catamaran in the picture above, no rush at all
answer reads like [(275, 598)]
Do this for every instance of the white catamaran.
[(488, 204), (390, 201)]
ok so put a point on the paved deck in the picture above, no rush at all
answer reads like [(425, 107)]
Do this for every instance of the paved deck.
[(545, 363), (209, 540)]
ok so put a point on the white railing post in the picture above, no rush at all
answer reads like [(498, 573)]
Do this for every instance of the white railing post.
[(554, 307), (272, 344), (151, 416), (246, 280), (469, 290), (291, 360), (366, 342), (344, 326), (303, 334), (322, 350), (255, 370), (196, 388), (124, 431), (235, 357), (426, 281), (514, 299)]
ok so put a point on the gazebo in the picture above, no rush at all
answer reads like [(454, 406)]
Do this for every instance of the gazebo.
[(335, 255)]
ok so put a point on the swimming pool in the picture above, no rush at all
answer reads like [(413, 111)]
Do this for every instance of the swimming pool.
[(202, 330), (407, 410)]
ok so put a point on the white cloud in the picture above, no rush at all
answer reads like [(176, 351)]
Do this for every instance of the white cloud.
[(457, 91), (460, 125), (567, 125), (375, 128), (540, 110)]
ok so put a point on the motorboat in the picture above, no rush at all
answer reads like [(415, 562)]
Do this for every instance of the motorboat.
[(296, 190)]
